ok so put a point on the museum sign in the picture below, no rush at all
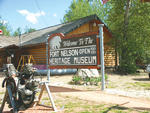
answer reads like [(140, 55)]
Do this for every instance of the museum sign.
[(77, 51)]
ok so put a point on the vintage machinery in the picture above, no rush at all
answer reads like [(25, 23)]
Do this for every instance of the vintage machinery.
[(21, 87)]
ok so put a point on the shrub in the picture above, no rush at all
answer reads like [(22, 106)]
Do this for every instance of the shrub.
[(87, 80), (76, 79)]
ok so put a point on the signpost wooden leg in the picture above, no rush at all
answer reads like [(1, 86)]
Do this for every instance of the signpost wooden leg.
[(41, 93), (45, 86), (50, 97)]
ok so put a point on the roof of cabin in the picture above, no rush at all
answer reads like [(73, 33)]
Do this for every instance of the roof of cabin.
[(40, 36), (6, 41)]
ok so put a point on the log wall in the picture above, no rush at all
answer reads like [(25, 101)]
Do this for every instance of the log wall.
[(39, 53)]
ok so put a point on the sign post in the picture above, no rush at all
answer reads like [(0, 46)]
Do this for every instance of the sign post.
[(48, 70), (102, 55)]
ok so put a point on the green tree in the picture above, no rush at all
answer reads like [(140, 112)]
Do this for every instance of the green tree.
[(129, 23), (82, 8), (4, 27), (17, 32), (29, 29), (101, 10), (78, 9)]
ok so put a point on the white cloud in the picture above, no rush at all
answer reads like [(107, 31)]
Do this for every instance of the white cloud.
[(31, 17), (55, 15)]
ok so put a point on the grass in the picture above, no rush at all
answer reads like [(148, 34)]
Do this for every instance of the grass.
[(145, 86), (1, 93), (76, 105), (45, 98), (111, 85)]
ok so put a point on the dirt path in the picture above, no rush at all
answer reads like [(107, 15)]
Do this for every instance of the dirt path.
[(102, 97)]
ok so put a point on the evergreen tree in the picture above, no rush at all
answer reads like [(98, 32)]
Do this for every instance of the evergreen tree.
[(29, 29), (17, 32)]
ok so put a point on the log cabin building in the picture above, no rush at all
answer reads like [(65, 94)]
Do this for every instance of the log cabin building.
[(35, 43)]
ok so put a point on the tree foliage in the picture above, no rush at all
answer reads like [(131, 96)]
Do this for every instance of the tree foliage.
[(17, 32), (4, 27), (132, 46), (78, 9), (83, 8), (29, 29), (101, 10)]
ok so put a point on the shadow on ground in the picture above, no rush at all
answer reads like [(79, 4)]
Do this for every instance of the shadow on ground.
[(141, 79), (142, 108), (117, 107)]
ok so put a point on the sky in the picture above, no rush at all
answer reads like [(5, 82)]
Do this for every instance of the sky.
[(33, 13)]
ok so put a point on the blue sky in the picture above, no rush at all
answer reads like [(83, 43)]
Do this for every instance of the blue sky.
[(33, 13)]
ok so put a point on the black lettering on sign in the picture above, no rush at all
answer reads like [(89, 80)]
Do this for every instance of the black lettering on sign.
[(74, 51)]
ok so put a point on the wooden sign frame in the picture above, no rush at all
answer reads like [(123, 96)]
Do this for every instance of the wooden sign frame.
[(94, 34)]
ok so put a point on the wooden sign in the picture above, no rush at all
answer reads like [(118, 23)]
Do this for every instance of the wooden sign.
[(77, 51)]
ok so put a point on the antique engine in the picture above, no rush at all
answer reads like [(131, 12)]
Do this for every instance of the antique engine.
[(22, 85), (27, 86)]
